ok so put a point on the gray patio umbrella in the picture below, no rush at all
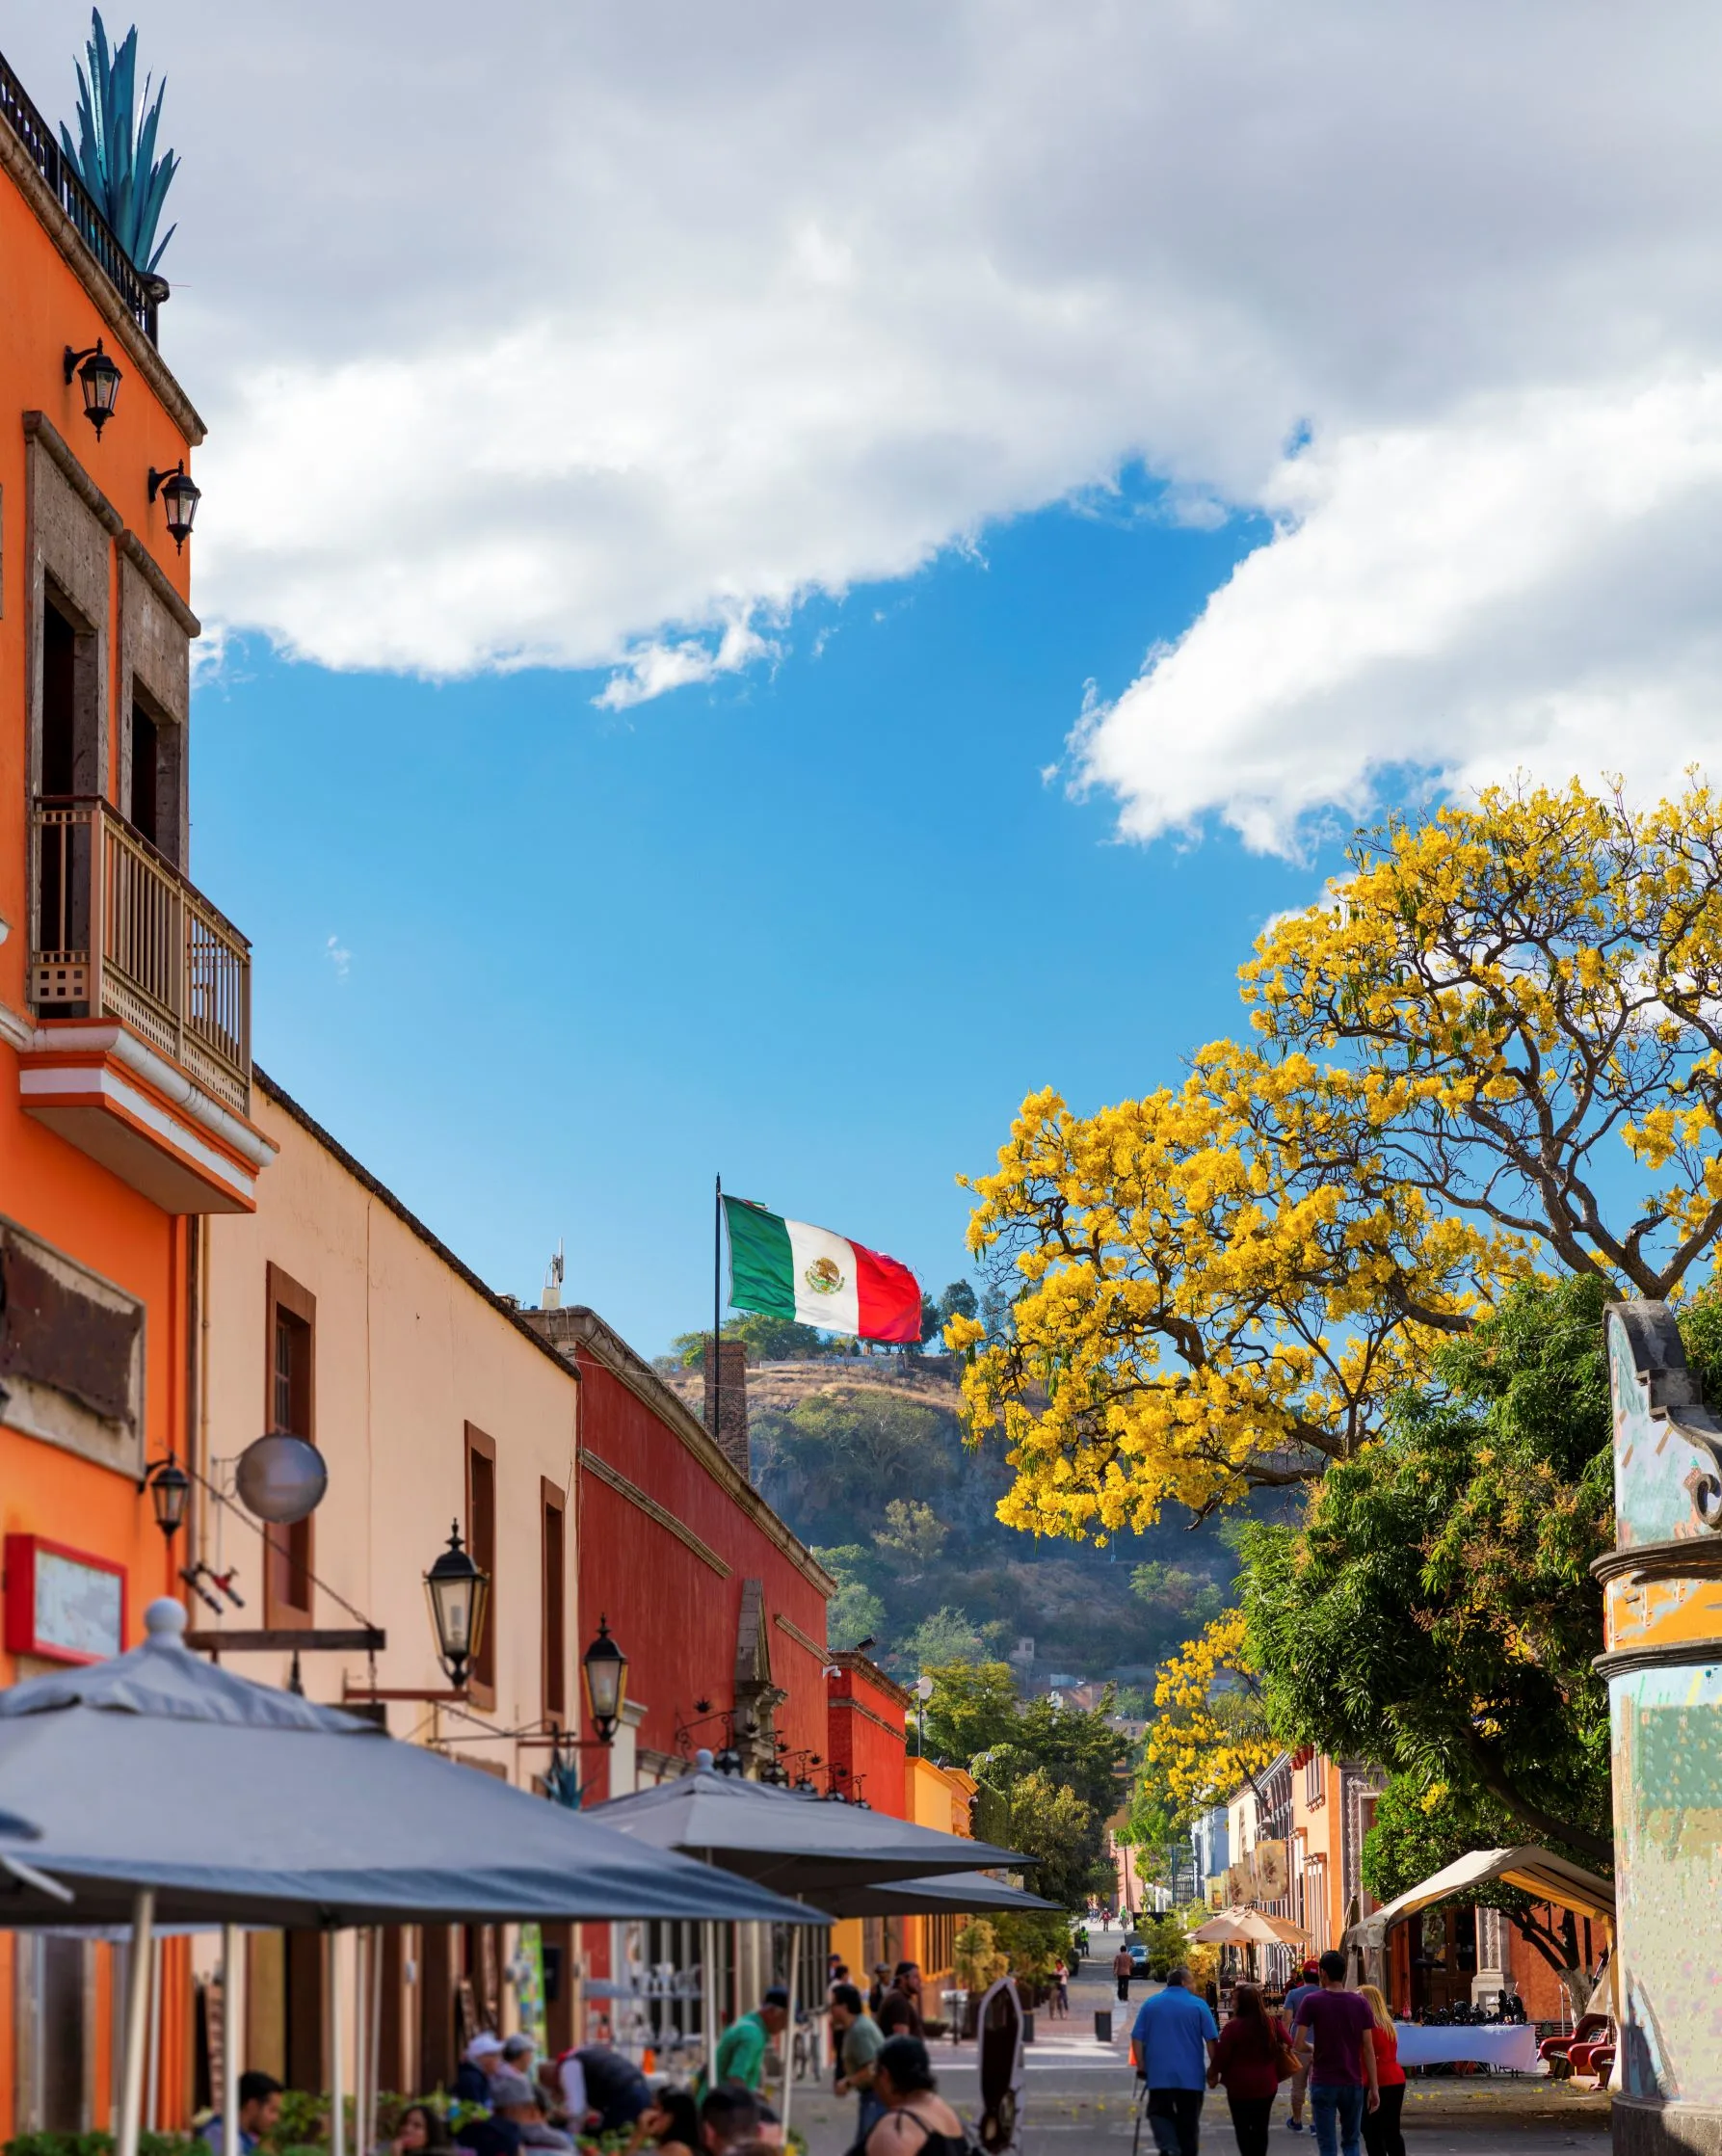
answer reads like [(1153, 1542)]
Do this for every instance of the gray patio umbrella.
[(966, 1890), (781, 1838), (155, 1785)]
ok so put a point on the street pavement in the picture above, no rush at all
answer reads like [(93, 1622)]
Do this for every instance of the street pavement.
[(1081, 2095)]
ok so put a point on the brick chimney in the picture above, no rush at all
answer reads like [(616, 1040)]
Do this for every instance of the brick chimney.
[(732, 1432)]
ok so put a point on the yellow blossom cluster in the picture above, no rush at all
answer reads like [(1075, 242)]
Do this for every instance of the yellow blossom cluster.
[(1209, 1735)]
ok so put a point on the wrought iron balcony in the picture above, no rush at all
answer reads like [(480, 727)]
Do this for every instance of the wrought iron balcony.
[(141, 292), (121, 933)]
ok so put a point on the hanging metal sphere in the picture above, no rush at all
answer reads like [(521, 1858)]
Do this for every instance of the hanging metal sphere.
[(281, 1478)]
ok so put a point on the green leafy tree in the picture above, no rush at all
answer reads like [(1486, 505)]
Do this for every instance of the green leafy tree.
[(1079, 1746), (912, 1537), (972, 1707), (1190, 1596), (1052, 1823), (854, 1612), (1034, 1939), (977, 1956), (767, 1340), (1436, 1610), (947, 1636), (959, 1300)]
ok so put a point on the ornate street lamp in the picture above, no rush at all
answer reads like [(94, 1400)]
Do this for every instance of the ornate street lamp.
[(100, 379), (170, 1493), (606, 1669), (179, 496), (459, 1594)]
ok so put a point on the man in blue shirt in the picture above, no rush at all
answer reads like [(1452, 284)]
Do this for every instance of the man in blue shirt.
[(259, 2111), (1174, 2038)]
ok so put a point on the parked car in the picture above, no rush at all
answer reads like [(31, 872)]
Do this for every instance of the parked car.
[(1138, 1957)]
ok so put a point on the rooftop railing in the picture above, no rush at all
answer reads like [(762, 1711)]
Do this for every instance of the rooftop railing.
[(141, 292)]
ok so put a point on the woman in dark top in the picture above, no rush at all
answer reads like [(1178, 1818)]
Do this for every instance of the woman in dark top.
[(1246, 2065), (917, 2121)]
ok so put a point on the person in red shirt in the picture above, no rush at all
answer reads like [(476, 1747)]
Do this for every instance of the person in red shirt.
[(1381, 2128), (1246, 2065)]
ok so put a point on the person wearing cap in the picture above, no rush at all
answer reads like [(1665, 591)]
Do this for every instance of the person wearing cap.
[(514, 2097), (519, 2051), (484, 2056), (741, 2048)]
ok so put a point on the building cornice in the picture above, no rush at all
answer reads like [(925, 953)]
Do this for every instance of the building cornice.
[(42, 430), (106, 301), (794, 1632), (870, 1673), (106, 1037), (613, 1478), (153, 574)]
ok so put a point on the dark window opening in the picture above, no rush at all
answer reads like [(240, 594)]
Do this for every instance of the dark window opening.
[(146, 776), (555, 1642), (58, 703), (290, 1406), (481, 1540)]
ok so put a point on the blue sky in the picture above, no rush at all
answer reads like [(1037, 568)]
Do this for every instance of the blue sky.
[(820, 926)]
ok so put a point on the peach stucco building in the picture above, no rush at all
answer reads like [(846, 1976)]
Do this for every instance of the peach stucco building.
[(332, 1311)]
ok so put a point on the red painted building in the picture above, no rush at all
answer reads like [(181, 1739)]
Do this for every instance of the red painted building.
[(713, 1601), (868, 1721)]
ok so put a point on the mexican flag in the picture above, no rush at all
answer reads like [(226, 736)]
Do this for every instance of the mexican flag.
[(788, 1269)]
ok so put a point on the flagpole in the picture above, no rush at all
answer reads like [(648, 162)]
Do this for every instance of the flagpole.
[(717, 1275)]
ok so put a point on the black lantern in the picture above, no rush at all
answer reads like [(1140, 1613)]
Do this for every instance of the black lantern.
[(777, 1774), (728, 1761), (170, 1493), (99, 380), (606, 1669), (459, 1592), (180, 499)]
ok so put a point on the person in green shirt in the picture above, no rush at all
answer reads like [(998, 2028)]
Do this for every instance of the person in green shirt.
[(741, 2048)]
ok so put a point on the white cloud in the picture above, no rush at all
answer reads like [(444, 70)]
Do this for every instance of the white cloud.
[(339, 957), (1529, 584), (601, 337)]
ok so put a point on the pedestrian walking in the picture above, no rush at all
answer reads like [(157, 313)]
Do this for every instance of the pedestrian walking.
[(1331, 2037), (1309, 1979), (1249, 2064), (1381, 2135), (899, 2013), (742, 2046), (1172, 2045), (860, 2041), (1121, 1968), (1061, 1990)]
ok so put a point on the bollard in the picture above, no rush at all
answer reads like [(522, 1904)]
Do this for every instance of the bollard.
[(1102, 2025), (1028, 2028)]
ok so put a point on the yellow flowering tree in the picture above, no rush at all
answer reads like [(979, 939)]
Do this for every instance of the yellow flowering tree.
[(1500, 1018), (1209, 1734)]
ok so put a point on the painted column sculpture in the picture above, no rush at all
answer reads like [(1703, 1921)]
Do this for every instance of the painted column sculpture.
[(1662, 1627)]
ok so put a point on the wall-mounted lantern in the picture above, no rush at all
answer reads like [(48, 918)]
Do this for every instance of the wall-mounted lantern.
[(170, 1490), (606, 1669), (100, 379), (459, 1593), (179, 498)]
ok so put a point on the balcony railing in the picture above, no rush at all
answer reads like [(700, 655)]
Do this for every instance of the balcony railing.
[(141, 292), (119, 932)]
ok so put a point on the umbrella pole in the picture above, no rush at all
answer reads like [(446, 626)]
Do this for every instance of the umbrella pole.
[(337, 2017), (232, 2022), (154, 2071), (376, 2048), (789, 2032), (137, 2019), (362, 2065)]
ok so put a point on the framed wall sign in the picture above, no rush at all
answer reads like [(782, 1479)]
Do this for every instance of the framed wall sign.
[(62, 1603)]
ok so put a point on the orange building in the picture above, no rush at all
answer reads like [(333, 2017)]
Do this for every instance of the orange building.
[(124, 1023)]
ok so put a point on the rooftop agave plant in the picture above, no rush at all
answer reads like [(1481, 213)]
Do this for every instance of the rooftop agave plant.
[(115, 154)]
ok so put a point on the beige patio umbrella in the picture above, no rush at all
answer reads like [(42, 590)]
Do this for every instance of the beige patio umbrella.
[(1237, 1927)]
